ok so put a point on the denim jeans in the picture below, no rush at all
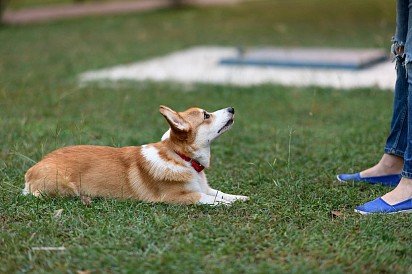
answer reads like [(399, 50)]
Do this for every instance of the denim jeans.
[(399, 141)]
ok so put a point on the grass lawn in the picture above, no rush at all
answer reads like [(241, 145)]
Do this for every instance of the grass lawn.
[(284, 150)]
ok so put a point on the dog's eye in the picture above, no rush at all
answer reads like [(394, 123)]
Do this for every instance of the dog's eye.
[(206, 115)]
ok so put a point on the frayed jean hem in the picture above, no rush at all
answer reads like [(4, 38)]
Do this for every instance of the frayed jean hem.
[(395, 152), (406, 174)]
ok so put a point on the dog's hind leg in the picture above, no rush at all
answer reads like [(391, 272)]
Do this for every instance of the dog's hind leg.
[(26, 189)]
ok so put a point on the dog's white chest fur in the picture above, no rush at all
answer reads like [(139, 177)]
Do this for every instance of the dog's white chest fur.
[(162, 168), (159, 166)]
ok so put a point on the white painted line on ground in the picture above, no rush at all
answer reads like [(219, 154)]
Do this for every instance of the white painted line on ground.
[(201, 65)]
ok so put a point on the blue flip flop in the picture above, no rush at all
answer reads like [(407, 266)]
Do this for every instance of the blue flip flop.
[(380, 206), (387, 180)]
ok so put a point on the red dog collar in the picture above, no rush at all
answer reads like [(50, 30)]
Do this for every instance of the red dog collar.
[(195, 164)]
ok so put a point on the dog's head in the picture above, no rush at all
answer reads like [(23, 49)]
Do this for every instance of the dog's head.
[(194, 129)]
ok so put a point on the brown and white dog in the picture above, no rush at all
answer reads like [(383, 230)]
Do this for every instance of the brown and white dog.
[(169, 171)]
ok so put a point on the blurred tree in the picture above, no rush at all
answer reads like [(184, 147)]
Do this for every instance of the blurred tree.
[(175, 3), (2, 8)]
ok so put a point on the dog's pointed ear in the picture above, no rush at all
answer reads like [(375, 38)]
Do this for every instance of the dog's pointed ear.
[(175, 121)]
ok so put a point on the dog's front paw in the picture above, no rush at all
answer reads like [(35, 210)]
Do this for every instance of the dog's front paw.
[(212, 200), (222, 203), (241, 198), (233, 198)]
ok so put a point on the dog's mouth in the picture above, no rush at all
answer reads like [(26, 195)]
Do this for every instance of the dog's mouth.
[(227, 125)]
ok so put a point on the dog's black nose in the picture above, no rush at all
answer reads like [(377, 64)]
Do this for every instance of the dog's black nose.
[(231, 110)]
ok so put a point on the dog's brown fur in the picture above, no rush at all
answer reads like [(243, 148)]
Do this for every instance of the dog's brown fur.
[(101, 171)]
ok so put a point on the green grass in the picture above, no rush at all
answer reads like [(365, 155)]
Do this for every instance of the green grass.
[(283, 151)]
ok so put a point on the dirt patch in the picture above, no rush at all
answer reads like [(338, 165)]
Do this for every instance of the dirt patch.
[(50, 13)]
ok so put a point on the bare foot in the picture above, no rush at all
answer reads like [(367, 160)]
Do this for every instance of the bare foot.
[(401, 193), (388, 165)]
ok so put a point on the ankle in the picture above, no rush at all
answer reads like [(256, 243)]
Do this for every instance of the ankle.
[(401, 193), (391, 162), (406, 184)]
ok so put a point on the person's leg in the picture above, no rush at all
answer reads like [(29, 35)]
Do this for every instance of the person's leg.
[(392, 161), (399, 199), (404, 190)]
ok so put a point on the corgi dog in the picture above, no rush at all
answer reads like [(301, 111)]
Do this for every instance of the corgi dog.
[(169, 171)]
